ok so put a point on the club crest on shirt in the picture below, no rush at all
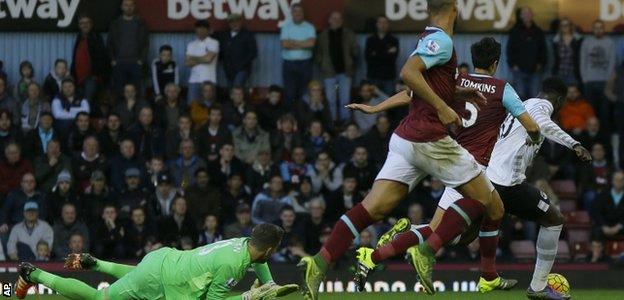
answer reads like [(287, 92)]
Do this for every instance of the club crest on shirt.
[(231, 283), (432, 47)]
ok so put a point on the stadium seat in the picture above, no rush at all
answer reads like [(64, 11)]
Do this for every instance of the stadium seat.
[(564, 188), (523, 250), (578, 235), (578, 219), (566, 205), (579, 250), (563, 252), (614, 248)]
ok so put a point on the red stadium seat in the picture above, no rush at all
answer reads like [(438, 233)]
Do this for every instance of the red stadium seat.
[(567, 206), (581, 235), (563, 252), (614, 248), (578, 219), (579, 250), (564, 188), (523, 250)]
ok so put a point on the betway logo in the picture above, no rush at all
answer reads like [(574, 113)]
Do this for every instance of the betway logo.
[(249, 9), (497, 11), (61, 10)]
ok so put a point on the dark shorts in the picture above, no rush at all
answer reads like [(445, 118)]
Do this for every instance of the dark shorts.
[(524, 201)]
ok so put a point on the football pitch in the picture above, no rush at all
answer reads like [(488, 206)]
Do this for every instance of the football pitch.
[(511, 295)]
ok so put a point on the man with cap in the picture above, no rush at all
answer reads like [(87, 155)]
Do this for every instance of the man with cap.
[(164, 195), (242, 226), (238, 50), (63, 192), (25, 235), (12, 209), (133, 195)]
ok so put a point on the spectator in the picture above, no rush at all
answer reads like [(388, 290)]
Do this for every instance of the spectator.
[(149, 138), (526, 54), (368, 238), (597, 254), (215, 135), (37, 139), (238, 51), (314, 107), (133, 195), (575, 112), (67, 105), (342, 200), (8, 132), (292, 171), (137, 234), (260, 173), (22, 243), (87, 161), (242, 226), (249, 139), (226, 165), (285, 138), (593, 179), (416, 215), (377, 140), (77, 243), (33, 108), (210, 231), (336, 53), (164, 195), (381, 52), (368, 95), (298, 38), (78, 132), (12, 168), (62, 193), (428, 196), (596, 134), (7, 102), (234, 194), (155, 166), (360, 168), (43, 251), (108, 233), (178, 225), (314, 225), (128, 109), (609, 210), (53, 82), (3, 74), (50, 165), (287, 221), (128, 42), (90, 64), (272, 108), (303, 195), (598, 61), (235, 110), (12, 208), (201, 56), (567, 47), (202, 197), (326, 175), (27, 75), (183, 168), (65, 229), (347, 142), (201, 107), (169, 110), (164, 71), (316, 140), (267, 205), (95, 197), (111, 135), (125, 160), (182, 131)]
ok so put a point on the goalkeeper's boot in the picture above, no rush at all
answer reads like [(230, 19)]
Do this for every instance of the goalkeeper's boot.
[(364, 266), (402, 225), (311, 277), (23, 280), (82, 261), (422, 258), (499, 283), (547, 293)]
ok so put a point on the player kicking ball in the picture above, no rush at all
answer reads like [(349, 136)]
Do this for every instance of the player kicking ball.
[(207, 272)]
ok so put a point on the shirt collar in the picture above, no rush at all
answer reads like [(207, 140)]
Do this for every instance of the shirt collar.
[(434, 28), (480, 75)]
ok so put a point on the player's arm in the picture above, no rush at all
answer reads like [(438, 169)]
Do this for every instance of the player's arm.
[(399, 99), (263, 273), (513, 104)]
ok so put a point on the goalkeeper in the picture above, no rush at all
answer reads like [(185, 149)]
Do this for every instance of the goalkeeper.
[(207, 272)]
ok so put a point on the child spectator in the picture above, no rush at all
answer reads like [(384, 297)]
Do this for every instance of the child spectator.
[(26, 78), (164, 71), (43, 251)]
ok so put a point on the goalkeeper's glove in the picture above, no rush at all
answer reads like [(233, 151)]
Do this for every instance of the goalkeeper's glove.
[(269, 291)]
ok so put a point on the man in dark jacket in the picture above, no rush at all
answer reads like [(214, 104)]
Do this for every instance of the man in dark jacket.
[(125, 160), (526, 54), (238, 50), (147, 136), (178, 225), (67, 226), (381, 52), (608, 211), (37, 139), (90, 59), (12, 210), (203, 198), (53, 81), (128, 42)]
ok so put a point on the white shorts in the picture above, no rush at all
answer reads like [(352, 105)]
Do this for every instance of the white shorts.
[(451, 195), (445, 159)]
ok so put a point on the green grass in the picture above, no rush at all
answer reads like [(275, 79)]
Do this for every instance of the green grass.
[(511, 295)]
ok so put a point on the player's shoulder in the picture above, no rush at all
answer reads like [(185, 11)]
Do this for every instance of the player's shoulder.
[(435, 39)]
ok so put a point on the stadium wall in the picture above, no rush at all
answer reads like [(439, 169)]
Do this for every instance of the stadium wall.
[(42, 49)]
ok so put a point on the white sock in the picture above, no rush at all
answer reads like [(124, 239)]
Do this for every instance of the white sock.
[(547, 243)]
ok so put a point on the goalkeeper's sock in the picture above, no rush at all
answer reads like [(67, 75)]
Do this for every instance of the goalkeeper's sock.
[(401, 243), (68, 287), (488, 242), (112, 269), (346, 229), (547, 243), (455, 221)]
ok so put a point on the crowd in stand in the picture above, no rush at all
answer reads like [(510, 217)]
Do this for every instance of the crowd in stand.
[(101, 157)]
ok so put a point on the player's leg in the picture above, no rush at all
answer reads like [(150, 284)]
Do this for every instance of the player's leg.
[(86, 261), (68, 287)]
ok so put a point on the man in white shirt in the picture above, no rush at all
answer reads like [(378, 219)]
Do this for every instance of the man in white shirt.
[(201, 57)]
